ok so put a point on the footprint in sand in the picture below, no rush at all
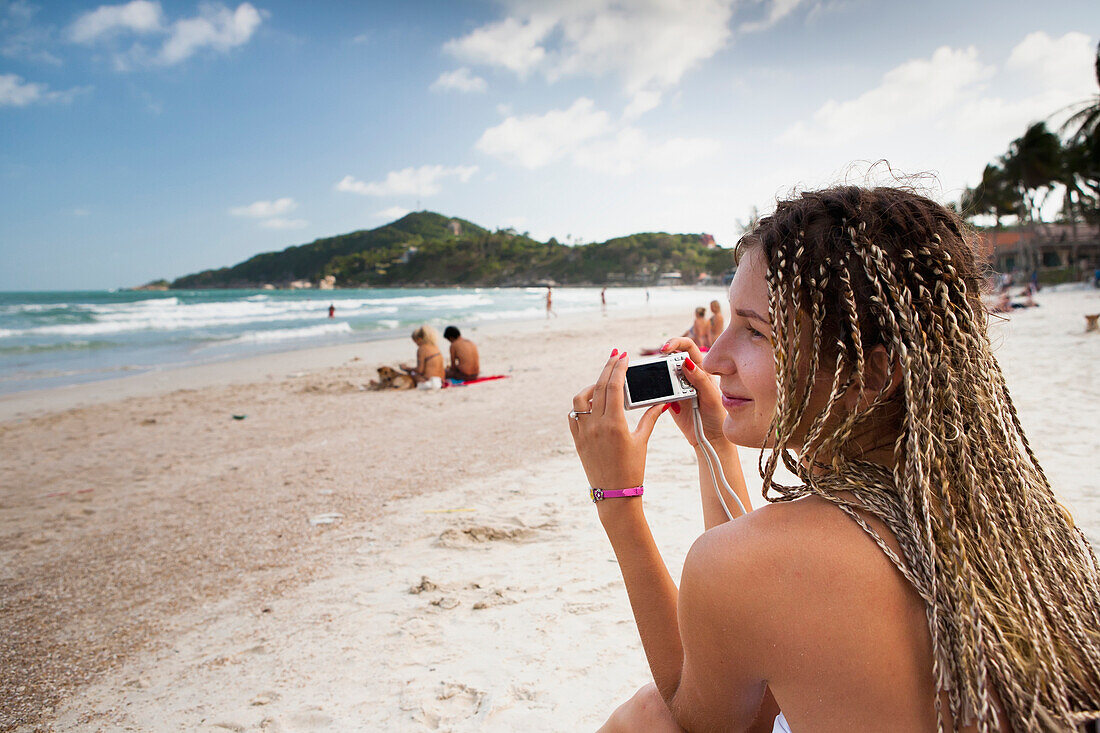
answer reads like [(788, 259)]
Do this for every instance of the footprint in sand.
[(479, 536), (452, 702)]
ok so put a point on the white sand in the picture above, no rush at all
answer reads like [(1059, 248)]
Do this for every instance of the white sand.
[(523, 622)]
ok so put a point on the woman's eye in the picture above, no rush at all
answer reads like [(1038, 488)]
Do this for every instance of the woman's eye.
[(754, 333)]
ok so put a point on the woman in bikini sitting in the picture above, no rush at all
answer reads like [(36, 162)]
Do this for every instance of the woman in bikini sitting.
[(921, 575), (428, 372)]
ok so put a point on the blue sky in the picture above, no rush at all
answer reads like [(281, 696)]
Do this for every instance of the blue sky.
[(152, 139)]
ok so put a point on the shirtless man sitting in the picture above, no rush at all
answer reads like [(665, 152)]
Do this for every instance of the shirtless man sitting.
[(465, 363)]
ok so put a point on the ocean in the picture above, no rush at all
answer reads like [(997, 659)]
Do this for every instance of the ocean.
[(50, 339)]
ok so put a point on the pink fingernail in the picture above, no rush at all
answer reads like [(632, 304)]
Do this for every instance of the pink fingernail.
[(689, 364), (664, 347), (622, 355), (614, 351), (675, 407)]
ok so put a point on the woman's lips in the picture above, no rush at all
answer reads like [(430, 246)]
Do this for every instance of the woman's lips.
[(730, 401)]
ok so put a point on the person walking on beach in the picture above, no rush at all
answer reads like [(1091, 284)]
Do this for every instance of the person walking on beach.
[(428, 372), (550, 304), (465, 361), (921, 574)]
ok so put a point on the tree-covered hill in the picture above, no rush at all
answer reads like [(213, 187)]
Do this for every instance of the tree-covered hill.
[(426, 248)]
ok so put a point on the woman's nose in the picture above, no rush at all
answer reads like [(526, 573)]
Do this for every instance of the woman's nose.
[(717, 360)]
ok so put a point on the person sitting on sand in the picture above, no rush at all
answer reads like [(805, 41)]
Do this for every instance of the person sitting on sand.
[(465, 362), (921, 574), (717, 322), (700, 329), (428, 372), (1003, 304)]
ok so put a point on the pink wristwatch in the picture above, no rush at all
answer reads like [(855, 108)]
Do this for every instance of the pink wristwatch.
[(601, 494)]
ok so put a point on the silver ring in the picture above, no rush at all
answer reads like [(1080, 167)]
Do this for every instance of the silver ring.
[(576, 415)]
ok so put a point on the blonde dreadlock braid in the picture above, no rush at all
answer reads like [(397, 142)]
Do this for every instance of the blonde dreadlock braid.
[(1012, 587)]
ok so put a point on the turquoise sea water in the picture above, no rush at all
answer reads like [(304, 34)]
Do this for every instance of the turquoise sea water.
[(55, 338)]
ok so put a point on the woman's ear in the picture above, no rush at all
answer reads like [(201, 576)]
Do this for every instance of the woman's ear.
[(880, 371)]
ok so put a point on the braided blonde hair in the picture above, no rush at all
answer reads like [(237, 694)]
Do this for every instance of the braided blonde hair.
[(1011, 586)]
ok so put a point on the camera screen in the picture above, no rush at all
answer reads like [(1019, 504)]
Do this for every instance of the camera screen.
[(649, 381)]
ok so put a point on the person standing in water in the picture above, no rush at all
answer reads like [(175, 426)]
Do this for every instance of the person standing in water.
[(331, 310), (550, 303)]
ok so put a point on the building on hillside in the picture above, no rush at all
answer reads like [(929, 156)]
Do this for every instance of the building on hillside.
[(328, 282), (1043, 247), (708, 241), (455, 227), (300, 285), (670, 278)]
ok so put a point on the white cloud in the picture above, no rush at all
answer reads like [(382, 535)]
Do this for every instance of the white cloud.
[(915, 91), (512, 43), (950, 92), (587, 138), (265, 209), (533, 141), (422, 181), (1063, 63), (459, 80), (279, 223), (777, 11), (16, 92), (393, 213), (216, 27), (630, 150), (649, 46), (137, 16)]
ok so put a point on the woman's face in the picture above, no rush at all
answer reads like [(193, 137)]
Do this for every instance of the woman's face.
[(742, 356)]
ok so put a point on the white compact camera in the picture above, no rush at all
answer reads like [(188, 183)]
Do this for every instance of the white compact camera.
[(656, 379)]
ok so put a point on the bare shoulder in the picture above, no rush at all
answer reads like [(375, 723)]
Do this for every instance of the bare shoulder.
[(807, 565)]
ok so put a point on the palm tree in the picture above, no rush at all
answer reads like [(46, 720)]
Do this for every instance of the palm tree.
[(1086, 120), (994, 196), (1033, 163)]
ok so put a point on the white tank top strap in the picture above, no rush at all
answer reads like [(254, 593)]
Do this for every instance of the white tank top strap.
[(781, 725)]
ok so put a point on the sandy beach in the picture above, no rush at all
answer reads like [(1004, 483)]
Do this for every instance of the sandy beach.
[(342, 559)]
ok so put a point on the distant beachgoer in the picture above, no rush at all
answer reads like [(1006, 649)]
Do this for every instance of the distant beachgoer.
[(1096, 278), (428, 372), (550, 303), (603, 297), (918, 573), (717, 322), (331, 311), (647, 290), (1003, 304), (700, 329), (465, 361)]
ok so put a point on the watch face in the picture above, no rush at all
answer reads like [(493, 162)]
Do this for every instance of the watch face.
[(649, 382)]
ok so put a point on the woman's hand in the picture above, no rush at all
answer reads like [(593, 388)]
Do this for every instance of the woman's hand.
[(613, 457), (710, 397)]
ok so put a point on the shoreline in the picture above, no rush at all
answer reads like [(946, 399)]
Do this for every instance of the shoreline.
[(273, 364), (276, 365)]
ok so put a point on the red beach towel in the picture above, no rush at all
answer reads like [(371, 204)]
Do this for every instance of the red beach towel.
[(479, 380)]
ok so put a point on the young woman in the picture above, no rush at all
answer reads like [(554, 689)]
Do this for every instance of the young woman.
[(428, 372), (922, 576)]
